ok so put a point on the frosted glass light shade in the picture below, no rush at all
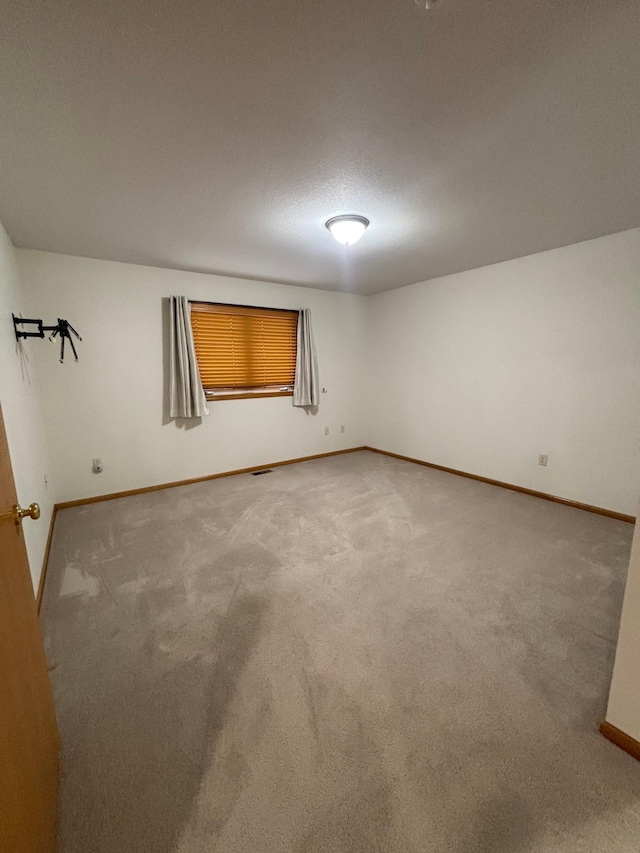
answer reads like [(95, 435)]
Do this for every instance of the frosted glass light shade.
[(347, 229)]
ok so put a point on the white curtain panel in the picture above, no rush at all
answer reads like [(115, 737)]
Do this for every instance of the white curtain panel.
[(186, 394), (305, 390)]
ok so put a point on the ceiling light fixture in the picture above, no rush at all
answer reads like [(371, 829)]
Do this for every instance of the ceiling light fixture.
[(347, 229)]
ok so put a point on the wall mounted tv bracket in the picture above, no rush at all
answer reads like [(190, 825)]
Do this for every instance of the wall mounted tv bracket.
[(62, 328)]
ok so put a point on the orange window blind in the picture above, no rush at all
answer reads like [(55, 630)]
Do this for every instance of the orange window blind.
[(244, 349)]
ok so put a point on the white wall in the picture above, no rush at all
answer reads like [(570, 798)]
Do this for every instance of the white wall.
[(483, 370), (479, 371), (22, 413), (110, 403), (624, 699)]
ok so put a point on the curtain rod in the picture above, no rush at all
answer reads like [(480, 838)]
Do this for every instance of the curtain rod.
[(236, 305)]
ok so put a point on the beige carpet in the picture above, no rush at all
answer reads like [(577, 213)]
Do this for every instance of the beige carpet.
[(350, 654)]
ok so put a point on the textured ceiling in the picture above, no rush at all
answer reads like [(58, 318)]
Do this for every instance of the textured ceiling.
[(219, 136)]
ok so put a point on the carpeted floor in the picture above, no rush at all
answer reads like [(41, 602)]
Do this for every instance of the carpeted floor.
[(349, 654)]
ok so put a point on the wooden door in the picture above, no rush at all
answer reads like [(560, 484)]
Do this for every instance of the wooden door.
[(28, 732)]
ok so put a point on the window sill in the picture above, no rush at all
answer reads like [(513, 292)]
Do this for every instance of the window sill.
[(247, 395)]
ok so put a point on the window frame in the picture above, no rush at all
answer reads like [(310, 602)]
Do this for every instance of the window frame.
[(244, 392)]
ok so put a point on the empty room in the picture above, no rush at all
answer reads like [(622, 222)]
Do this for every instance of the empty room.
[(320, 426)]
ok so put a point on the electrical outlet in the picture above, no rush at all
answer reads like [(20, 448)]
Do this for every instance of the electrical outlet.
[(326, 430), (97, 466), (342, 428), (543, 458)]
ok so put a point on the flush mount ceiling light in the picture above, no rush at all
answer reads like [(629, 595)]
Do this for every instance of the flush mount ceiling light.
[(347, 229)]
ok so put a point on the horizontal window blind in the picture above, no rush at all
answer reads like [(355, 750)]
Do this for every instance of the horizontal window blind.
[(242, 348)]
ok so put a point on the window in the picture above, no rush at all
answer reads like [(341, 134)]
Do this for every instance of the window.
[(243, 351)]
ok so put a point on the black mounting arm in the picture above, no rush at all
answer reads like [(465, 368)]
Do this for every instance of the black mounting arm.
[(62, 328)]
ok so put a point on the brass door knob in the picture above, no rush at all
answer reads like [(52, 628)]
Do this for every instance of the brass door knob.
[(33, 511)]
